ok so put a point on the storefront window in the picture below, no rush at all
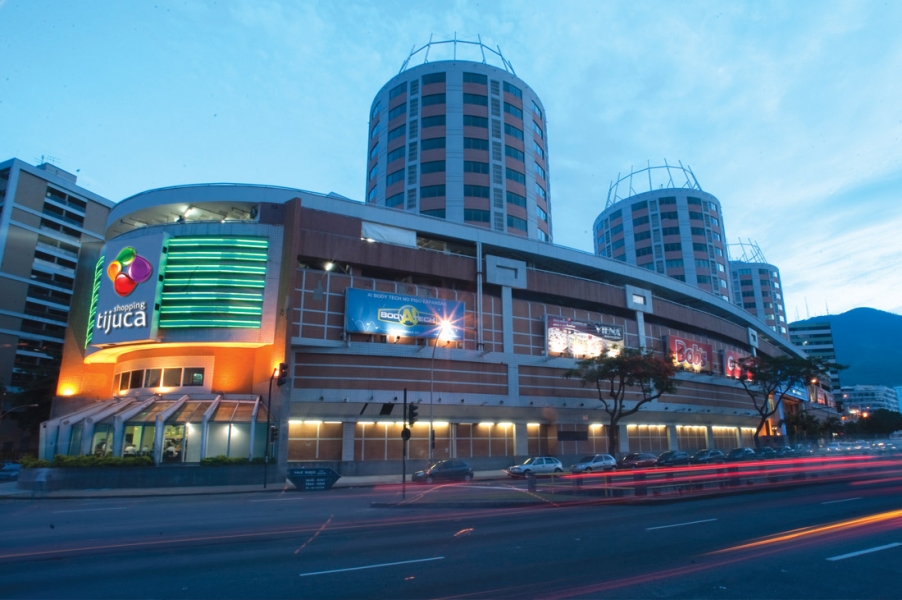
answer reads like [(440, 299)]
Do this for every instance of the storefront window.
[(172, 377), (152, 379), (194, 376)]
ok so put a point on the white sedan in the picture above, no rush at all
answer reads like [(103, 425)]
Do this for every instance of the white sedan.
[(536, 465), (596, 462)]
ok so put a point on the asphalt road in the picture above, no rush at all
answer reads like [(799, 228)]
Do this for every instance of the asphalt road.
[(835, 541)]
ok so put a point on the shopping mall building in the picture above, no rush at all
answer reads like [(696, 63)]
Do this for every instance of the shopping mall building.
[(457, 302)]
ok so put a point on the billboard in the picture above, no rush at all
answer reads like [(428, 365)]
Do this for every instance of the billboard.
[(385, 313), (581, 338), (690, 355), (127, 296), (732, 363)]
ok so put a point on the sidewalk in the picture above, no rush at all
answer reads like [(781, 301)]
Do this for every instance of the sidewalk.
[(10, 491)]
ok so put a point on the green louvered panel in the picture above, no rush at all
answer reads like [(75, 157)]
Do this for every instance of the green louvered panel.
[(214, 282)]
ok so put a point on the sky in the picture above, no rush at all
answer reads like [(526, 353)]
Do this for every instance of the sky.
[(790, 113)]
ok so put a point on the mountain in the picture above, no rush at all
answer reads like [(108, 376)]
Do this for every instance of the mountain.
[(869, 341)]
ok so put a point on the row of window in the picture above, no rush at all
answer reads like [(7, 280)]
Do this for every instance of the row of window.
[(156, 378)]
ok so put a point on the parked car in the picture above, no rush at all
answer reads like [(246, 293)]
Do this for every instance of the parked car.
[(672, 458), (707, 456), (786, 452), (637, 460), (10, 472), (444, 470), (740, 454), (536, 465), (595, 462), (765, 453)]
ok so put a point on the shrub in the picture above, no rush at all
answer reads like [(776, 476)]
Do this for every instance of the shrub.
[(61, 460), (33, 462)]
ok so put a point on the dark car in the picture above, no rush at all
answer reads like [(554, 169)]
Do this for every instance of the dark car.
[(444, 470), (740, 454), (786, 452), (707, 456), (637, 460), (673, 458), (10, 472), (765, 453)]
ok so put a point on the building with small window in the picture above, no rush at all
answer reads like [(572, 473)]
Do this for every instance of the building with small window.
[(673, 227), (199, 293), (757, 286), (458, 136), (861, 399), (815, 338), (46, 220)]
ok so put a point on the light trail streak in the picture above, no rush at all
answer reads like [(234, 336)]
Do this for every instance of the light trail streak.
[(315, 535), (679, 524), (804, 532), (403, 562)]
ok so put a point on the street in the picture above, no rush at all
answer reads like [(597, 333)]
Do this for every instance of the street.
[(829, 541)]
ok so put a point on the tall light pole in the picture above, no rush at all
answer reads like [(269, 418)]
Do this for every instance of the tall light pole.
[(20, 408), (443, 328)]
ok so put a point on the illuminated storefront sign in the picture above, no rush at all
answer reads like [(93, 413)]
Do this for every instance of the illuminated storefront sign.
[(732, 364), (125, 303), (689, 354), (372, 312), (581, 338)]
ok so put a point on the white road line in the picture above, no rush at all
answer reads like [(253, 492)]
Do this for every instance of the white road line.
[(91, 509), (868, 551), (844, 500), (680, 524), (403, 562), (278, 499)]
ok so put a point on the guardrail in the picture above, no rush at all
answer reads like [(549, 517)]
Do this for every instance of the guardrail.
[(727, 477)]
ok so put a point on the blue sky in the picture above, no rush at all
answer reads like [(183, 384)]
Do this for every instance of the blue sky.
[(789, 112)]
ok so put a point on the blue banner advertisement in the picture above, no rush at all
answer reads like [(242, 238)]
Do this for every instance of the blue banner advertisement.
[(384, 313)]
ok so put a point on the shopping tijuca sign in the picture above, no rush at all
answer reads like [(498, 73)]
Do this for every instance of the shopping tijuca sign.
[(127, 288)]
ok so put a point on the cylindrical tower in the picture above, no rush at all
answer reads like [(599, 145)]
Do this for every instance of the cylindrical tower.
[(674, 228), (462, 140), (757, 286)]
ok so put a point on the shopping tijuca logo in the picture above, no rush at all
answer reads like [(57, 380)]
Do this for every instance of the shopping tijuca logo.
[(128, 270)]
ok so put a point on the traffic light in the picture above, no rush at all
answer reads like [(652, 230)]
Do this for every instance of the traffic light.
[(282, 378), (412, 414), (839, 407), (273, 433)]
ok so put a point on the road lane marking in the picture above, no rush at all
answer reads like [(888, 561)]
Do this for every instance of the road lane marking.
[(403, 562), (278, 499), (868, 551), (91, 509), (680, 524), (844, 500)]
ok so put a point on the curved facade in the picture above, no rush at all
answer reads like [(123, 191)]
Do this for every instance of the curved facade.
[(463, 141), (757, 288), (674, 231), (350, 296)]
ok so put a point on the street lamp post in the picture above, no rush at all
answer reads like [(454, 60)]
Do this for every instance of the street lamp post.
[(15, 409), (268, 426), (443, 328)]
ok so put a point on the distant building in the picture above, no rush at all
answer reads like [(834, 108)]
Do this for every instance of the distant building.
[(45, 218), (859, 399), (757, 287), (672, 227), (461, 140), (899, 397), (816, 339)]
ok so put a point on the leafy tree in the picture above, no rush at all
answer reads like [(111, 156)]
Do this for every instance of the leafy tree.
[(881, 422), (768, 378), (613, 376), (801, 426), (830, 426)]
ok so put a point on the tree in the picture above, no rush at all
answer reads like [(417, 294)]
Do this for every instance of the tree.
[(768, 378), (881, 422), (801, 426), (632, 369)]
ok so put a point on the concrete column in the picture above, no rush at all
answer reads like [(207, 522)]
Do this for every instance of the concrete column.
[(640, 325), (507, 319), (347, 441), (624, 439), (709, 436), (521, 439), (673, 440), (513, 384)]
